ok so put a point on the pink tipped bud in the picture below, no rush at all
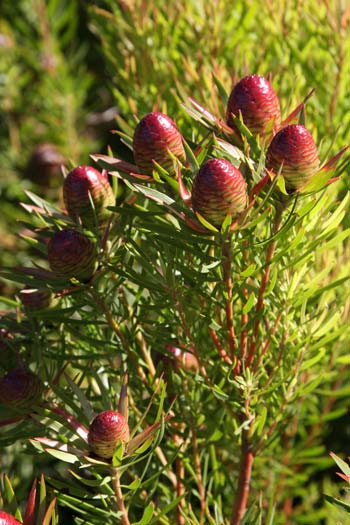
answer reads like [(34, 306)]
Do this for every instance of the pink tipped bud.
[(86, 194), (106, 430), (184, 360), (257, 101), (34, 300), (155, 135), (20, 388), (219, 189), (7, 519), (72, 254), (294, 148)]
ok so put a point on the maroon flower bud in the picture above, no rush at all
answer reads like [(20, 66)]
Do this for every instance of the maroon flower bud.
[(155, 135), (219, 189), (184, 360), (86, 194), (294, 148), (106, 430), (34, 300), (20, 388), (7, 519), (44, 165), (72, 254), (257, 101)]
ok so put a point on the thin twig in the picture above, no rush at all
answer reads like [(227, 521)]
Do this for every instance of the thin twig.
[(227, 274), (119, 496), (263, 285), (117, 329), (198, 470)]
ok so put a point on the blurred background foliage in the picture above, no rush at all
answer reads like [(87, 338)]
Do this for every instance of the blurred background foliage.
[(72, 70)]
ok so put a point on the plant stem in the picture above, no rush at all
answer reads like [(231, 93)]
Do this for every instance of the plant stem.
[(198, 470), (117, 329), (119, 496), (263, 285), (245, 469), (227, 270)]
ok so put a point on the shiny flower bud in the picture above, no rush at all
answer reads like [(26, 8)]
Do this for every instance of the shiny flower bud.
[(7, 519), (106, 430), (86, 194), (34, 300), (155, 135), (219, 189), (257, 101), (72, 254), (20, 388), (294, 149)]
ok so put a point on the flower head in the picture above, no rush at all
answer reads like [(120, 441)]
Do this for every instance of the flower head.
[(105, 431), (258, 103), (87, 193), (72, 254), (155, 136), (219, 189), (294, 149)]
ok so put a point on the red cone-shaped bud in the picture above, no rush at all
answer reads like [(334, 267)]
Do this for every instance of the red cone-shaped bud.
[(219, 189), (72, 254), (86, 194), (155, 135), (294, 147), (20, 388), (7, 519), (106, 430), (34, 300), (257, 101)]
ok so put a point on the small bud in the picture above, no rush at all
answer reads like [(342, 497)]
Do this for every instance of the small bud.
[(155, 135), (72, 254), (185, 360), (7, 519), (20, 388), (106, 430), (294, 147), (44, 165), (86, 194), (257, 101), (219, 189), (34, 300)]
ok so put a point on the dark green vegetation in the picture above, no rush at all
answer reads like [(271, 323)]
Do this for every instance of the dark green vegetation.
[(69, 72)]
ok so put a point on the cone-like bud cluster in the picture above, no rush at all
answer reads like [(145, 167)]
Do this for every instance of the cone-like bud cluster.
[(86, 194), (219, 189), (155, 135), (7, 519), (34, 300), (294, 148), (20, 388), (106, 430), (258, 103), (72, 254)]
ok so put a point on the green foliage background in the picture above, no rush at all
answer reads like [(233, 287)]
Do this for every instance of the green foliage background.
[(64, 64)]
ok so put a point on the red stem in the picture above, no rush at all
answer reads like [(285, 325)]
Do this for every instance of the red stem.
[(263, 285), (245, 470), (226, 251), (219, 347)]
